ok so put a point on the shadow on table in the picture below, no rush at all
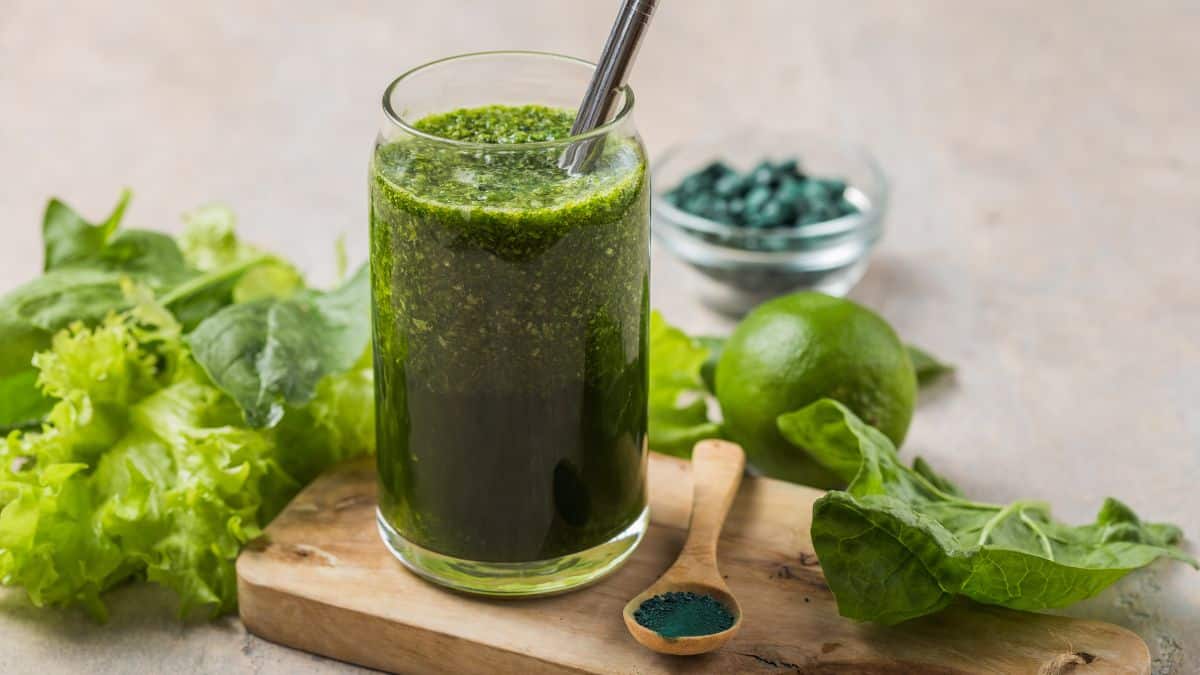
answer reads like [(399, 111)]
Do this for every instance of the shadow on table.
[(138, 608), (891, 281)]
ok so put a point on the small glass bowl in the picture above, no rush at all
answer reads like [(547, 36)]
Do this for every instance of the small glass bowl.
[(740, 267)]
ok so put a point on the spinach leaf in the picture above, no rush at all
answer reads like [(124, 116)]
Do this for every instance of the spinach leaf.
[(201, 296), (29, 315), (85, 262), (900, 543), (937, 480), (151, 257), (271, 352), (231, 271), (708, 371), (143, 471), (22, 403), (67, 238), (61, 297), (929, 369), (70, 242), (678, 401), (86, 267)]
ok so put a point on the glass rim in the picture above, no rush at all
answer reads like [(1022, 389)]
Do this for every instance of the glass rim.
[(398, 119)]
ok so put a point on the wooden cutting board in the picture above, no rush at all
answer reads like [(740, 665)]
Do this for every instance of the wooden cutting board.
[(322, 581)]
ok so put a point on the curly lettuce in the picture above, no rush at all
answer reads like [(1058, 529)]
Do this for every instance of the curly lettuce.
[(139, 466)]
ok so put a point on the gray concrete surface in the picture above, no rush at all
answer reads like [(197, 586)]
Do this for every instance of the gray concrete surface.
[(1044, 235)]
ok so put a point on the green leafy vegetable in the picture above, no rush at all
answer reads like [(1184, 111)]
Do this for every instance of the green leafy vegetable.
[(270, 352), (338, 423), (231, 271), (86, 266), (209, 240), (900, 543), (21, 402), (708, 371), (136, 473), (29, 316), (130, 462), (269, 279), (23, 405), (929, 368), (73, 243), (678, 403), (55, 300), (68, 238), (922, 468)]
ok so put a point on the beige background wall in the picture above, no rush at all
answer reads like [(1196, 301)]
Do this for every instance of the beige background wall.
[(1045, 231)]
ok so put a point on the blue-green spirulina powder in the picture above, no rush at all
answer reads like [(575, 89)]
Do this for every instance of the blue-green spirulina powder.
[(674, 615)]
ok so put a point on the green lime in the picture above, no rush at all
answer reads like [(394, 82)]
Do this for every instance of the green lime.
[(799, 348)]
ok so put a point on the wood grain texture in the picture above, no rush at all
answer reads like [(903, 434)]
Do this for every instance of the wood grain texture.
[(322, 581), (717, 470), (716, 475)]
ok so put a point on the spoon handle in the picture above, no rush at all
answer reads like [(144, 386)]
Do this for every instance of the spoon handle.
[(717, 468)]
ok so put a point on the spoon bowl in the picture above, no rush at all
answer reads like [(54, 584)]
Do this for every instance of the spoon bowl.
[(717, 468), (689, 644)]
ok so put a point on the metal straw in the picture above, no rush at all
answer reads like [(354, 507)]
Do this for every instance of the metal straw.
[(612, 70)]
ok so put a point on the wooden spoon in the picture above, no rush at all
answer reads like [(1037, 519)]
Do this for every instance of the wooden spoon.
[(717, 468)]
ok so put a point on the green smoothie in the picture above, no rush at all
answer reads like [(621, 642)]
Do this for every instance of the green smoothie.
[(510, 328)]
